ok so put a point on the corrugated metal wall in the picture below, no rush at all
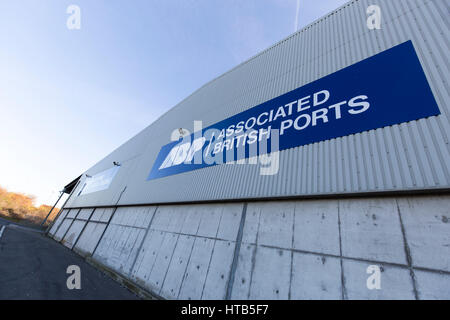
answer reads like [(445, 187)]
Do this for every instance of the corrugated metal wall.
[(408, 156)]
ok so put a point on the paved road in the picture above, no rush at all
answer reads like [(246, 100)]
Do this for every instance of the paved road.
[(34, 267)]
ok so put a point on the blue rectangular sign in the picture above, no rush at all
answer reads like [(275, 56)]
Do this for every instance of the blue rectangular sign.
[(386, 89)]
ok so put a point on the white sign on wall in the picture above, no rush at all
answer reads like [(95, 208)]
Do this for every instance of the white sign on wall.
[(100, 181)]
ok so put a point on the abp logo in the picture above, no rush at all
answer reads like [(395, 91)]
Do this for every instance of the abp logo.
[(183, 153)]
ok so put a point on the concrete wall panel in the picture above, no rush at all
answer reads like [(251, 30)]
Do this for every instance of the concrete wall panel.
[(89, 239), (118, 247), (84, 214), (73, 213), (215, 286), (175, 272), (163, 258), (73, 233), (196, 270), (302, 249), (315, 277), (229, 223), (370, 229), (275, 223), (210, 219), (271, 274), (433, 285), (243, 274), (427, 228), (58, 222), (102, 214), (147, 256), (316, 227), (65, 224)]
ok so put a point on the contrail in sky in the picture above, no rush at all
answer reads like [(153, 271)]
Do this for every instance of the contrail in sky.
[(296, 15)]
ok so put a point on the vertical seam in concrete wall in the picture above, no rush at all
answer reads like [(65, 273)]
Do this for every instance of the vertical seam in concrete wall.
[(407, 253), (171, 258), (189, 259), (73, 220), (109, 221), (166, 233), (158, 253), (343, 289), (131, 248), (237, 249), (143, 240), (104, 231), (212, 253), (292, 255), (254, 256), (168, 266), (82, 230)]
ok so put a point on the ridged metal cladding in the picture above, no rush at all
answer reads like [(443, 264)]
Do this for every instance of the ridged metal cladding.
[(408, 156)]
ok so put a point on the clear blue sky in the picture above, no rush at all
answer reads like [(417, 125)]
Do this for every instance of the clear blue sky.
[(70, 97)]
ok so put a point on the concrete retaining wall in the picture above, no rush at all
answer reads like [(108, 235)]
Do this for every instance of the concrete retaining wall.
[(305, 249)]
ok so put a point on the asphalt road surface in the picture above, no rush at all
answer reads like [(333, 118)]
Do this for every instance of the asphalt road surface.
[(33, 266)]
